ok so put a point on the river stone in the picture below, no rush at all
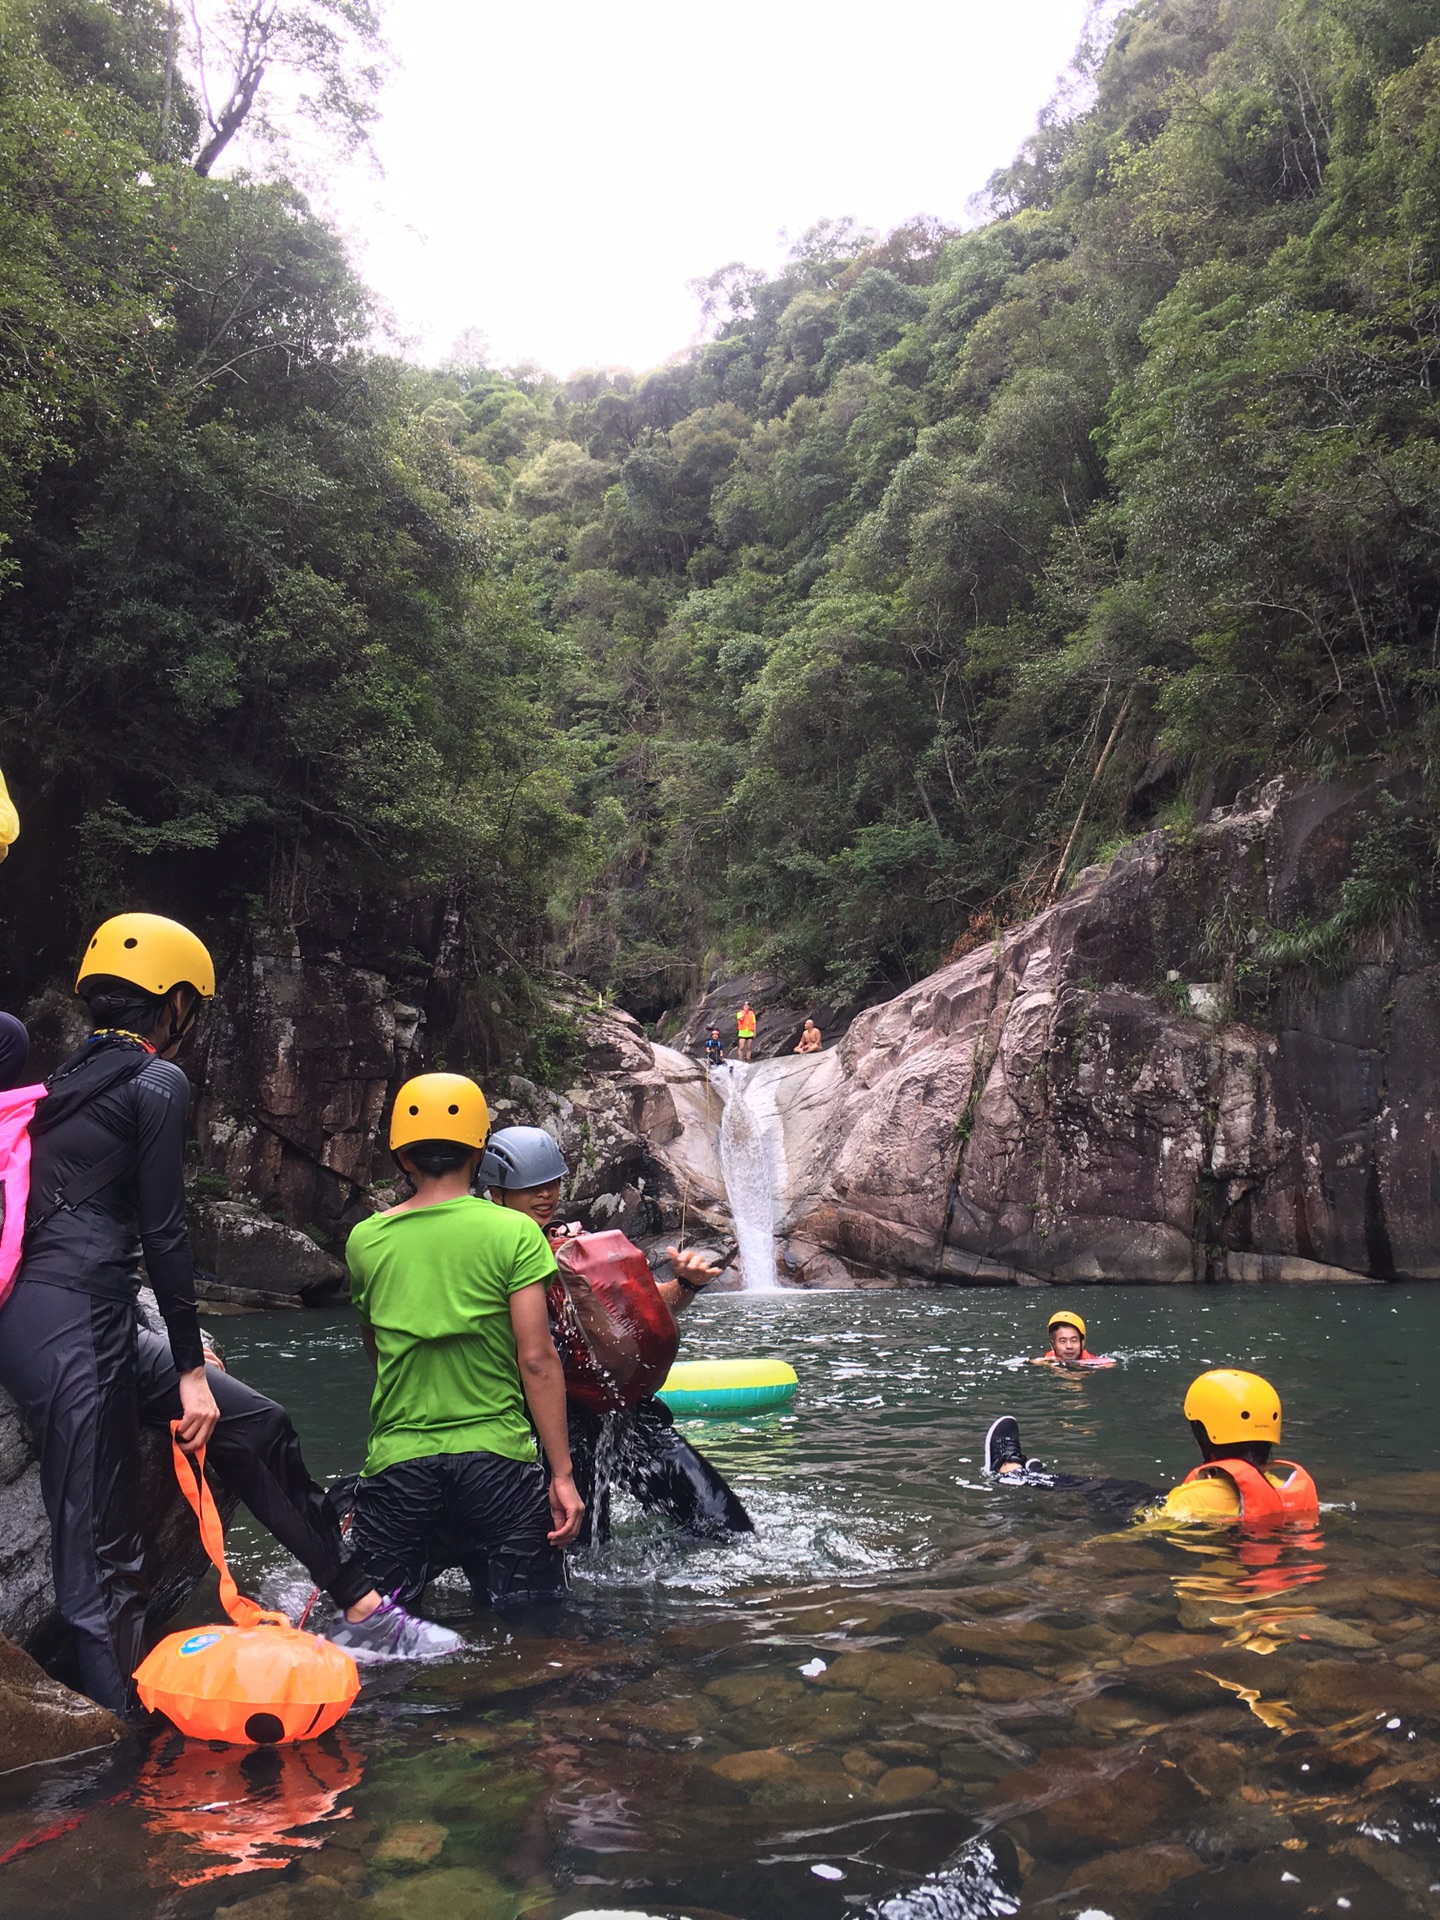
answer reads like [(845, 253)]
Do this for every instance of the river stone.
[(755, 1768), (1020, 1645), (1138, 1873), (1005, 1684), (1411, 1589), (449, 1893), (1153, 1649), (861, 1764), (1090, 1804), (892, 1678), (410, 1843), (1343, 1687), (1326, 1632), (903, 1784), (42, 1720), (738, 1690)]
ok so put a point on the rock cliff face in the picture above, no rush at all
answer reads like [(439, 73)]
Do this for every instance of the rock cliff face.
[(1110, 1092)]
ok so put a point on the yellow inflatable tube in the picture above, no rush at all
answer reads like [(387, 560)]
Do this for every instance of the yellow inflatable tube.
[(720, 1387)]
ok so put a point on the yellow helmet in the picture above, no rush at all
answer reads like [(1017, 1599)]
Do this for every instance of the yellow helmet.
[(439, 1106), (150, 952), (1232, 1407), (1065, 1319)]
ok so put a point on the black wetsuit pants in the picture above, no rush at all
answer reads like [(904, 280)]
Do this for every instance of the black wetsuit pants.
[(1116, 1499), (86, 1375), (656, 1465), (481, 1512)]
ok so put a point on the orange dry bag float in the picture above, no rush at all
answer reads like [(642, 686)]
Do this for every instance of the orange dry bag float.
[(621, 1280), (257, 1682)]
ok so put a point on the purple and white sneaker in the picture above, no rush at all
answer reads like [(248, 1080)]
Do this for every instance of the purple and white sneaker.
[(391, 1632)]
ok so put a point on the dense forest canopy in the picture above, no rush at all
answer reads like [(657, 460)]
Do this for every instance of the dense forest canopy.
[(950, 559)]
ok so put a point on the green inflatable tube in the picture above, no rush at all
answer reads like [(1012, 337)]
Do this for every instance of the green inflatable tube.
[(720, 1387)]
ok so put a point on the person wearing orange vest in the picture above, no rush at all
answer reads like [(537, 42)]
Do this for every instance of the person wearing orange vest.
[(1235, 1418), (1066, 1334), (745, 1031)]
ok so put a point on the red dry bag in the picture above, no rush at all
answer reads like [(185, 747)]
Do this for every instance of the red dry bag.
[(619, 1276)]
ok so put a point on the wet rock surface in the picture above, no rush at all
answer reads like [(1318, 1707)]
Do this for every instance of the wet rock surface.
[(1082, 1100), (42, 1720)]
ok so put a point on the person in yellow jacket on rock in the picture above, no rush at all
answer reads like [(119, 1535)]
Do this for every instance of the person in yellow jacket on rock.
[(9, 820), (1235, 1418)]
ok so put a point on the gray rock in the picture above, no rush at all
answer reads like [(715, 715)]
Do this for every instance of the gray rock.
[(247, 1259), (42, 1720)]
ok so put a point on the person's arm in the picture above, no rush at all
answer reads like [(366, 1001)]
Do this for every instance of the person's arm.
[(161, 1107), (544, 1386), (691, 1272)]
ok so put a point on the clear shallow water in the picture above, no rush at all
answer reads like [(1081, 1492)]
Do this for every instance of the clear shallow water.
[(1018, 1712)]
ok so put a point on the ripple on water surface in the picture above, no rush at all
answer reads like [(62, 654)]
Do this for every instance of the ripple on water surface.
[(908, 1694)]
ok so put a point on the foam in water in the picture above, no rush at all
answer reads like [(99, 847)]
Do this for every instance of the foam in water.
[(749, 1186)]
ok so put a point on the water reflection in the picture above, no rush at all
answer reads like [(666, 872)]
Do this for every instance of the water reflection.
[(217, 1811)]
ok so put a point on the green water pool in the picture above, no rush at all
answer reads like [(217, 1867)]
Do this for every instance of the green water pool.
[(908, 1694)]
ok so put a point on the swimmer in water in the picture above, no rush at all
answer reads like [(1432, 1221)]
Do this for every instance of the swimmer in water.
[(1235, 1418), (1066, 1333)]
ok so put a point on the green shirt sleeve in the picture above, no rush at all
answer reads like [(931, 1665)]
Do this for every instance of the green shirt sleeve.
[(534, 1263), (356, 1273)]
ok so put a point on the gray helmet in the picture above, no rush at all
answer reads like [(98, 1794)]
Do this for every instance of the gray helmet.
[(519, 1157)]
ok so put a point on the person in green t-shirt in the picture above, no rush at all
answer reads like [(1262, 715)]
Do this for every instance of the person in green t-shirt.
[(450, 1290)]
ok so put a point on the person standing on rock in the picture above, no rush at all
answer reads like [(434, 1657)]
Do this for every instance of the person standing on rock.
[(106, 1184), (450, 1292), (523, 1169), (745, 1031)]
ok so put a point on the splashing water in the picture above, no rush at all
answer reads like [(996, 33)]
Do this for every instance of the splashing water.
[(749, 1185)]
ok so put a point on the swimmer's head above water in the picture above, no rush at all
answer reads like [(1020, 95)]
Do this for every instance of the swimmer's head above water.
[(1067, 1335)]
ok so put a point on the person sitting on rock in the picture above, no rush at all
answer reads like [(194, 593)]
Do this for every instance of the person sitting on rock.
[(450, 1292), (810, 1040), (1235, 1418), (1066, 1334), (107, 1181), (523, 1168), (714, 1049)]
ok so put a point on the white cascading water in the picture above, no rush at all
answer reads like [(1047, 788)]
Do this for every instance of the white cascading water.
[(749, 1187)]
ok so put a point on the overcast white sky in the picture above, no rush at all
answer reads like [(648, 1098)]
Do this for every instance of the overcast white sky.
[(557, 171)]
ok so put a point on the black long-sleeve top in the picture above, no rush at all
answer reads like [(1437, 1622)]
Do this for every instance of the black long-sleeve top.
[(98, 1101)]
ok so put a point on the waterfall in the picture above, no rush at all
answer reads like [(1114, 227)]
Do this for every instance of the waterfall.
[(749, 1185)]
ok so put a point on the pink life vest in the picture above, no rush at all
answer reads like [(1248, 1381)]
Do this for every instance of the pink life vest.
[(17, 1109), (1263, 1505)]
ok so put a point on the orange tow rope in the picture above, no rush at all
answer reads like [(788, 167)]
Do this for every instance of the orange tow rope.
[(259, 1680)]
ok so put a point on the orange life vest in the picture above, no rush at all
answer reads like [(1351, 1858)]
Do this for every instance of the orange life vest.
[(621, 1280), (1263, 1505), (1082, 1359)]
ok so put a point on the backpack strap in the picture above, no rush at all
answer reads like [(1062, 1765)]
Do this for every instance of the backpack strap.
[(76, 1192)]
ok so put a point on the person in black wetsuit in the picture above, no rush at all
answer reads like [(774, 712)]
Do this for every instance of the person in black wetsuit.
[(14, 1052), (523, 1168), (106, 1183)]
